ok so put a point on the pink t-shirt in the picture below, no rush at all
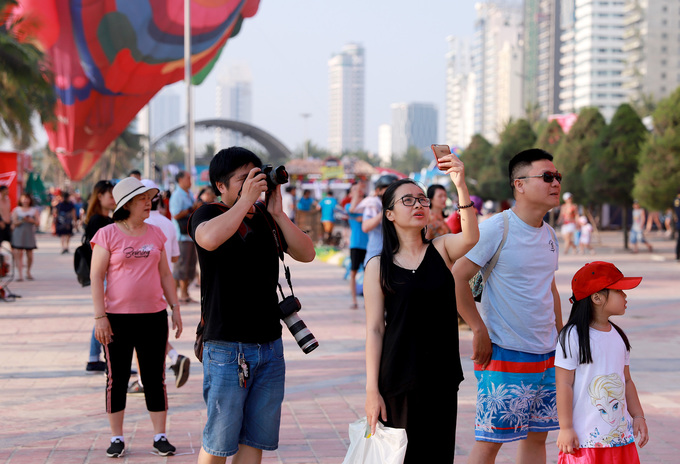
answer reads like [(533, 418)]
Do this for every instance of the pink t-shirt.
[(133, 280)]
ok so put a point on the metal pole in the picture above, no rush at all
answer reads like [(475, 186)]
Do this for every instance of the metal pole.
[(189, 156), (305, 148)]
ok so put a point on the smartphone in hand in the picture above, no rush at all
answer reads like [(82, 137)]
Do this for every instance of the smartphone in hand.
[(440, 150)]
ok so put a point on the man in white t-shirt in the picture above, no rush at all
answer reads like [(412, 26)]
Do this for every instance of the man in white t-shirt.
[(371, 223), (515, 330)]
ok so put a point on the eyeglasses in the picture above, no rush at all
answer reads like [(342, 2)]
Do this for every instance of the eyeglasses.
[(547, 177), (411, 201)]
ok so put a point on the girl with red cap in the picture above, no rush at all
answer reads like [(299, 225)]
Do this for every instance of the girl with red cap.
[(598, 406)]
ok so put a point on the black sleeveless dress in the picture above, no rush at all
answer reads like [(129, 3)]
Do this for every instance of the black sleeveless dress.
[(420, 368)]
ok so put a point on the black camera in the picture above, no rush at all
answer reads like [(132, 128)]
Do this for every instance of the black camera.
[(303, 336), (278, 176)]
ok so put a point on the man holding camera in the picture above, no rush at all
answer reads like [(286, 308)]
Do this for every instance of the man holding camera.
[(243, 366)]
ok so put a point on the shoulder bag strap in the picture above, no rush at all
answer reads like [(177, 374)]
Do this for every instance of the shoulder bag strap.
[(496, 255), (276, 231)]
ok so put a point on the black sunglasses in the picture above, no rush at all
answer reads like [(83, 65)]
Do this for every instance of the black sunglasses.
[(547, 177)]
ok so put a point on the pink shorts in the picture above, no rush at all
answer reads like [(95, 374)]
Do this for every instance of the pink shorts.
[(617, 455)]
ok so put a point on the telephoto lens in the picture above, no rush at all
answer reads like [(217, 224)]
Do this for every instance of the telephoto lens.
[(289, 308), (303, 336)]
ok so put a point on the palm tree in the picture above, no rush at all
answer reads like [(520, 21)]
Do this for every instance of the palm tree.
[(25, 82)]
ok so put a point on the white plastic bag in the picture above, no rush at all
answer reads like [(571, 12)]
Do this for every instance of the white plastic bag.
[(386, 446)]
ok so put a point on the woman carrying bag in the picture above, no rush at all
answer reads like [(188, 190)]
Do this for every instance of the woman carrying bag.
[(411, 320)]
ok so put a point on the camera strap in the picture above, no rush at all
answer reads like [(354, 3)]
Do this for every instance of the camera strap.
[(277, 238)]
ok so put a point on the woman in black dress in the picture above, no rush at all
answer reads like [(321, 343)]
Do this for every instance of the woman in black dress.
[(411, 320), (64, 220)]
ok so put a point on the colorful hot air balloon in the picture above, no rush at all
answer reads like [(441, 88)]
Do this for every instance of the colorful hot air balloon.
[(110, 57)]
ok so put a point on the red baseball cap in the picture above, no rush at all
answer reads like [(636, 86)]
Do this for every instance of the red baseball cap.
[(597, 276)]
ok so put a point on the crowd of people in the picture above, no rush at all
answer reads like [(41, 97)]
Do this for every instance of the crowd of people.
[(533, 374)]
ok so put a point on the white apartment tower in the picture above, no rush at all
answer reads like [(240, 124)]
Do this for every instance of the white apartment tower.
[(413, 125), (652, 48), (233, 101), (542, 55), (346, 105), (460, 92), (593, 59), (165, 113), (385, 143), (497, 57)]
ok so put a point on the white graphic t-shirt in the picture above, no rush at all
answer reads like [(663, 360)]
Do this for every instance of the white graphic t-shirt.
[(601, 418)]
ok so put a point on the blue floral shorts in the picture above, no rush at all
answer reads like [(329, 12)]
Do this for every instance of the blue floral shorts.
[(515, 396)]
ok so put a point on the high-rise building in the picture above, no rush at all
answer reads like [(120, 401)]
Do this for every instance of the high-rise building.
[(541, 72), (652, 48), (413, 125), (593, 58), (460, 93), (346, 105), (233, 101), (385, 143), (165, 115), (497, 57)]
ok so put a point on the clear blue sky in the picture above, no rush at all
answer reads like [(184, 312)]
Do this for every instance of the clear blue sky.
[(287, 45)]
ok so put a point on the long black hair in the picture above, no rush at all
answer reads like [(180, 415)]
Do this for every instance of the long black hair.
[(432, 190), (580, 318), (390, 237)]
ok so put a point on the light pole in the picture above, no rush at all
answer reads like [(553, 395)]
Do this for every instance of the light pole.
[(305, 151), (190, 156)]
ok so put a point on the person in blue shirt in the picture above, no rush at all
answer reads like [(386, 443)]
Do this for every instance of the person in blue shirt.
[(328, 205), (306, 203), (358, 239)]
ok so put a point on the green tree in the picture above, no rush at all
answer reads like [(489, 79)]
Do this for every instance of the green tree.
[(658, 178), (412, 161), (575, 151), (550, 136), (25, 83), (609, 174), (493, 180), (476, 156), (371, 158)]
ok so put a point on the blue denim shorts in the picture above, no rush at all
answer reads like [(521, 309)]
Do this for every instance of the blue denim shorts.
[(248, 415)]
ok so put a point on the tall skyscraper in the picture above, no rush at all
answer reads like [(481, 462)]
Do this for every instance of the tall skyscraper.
[(541, 73), (593, 58), (460, 93), (233, 101), (497, 57), (413, 125), (346, 105), (164, 113), (652, 48), (385, 143)]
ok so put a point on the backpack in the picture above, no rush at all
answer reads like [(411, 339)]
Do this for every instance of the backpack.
[(82, 257)]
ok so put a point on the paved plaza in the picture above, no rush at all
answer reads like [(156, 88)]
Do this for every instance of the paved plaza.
[(51, 411)]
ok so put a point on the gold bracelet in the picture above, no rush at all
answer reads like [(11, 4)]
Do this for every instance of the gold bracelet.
[(640, 417), (100, 317)]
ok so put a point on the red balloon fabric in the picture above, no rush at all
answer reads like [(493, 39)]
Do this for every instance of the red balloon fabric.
[(110, 57)]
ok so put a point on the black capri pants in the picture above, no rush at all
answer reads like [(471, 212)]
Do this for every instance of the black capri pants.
[(147, 334)]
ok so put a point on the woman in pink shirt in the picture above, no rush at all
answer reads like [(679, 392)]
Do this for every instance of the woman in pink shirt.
[(130, 314)]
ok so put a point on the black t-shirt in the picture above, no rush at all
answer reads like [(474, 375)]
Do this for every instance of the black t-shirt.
[(239, 279), (97, 221)]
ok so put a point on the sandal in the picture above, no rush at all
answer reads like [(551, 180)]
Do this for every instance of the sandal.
[(353, 306), (187, 300)]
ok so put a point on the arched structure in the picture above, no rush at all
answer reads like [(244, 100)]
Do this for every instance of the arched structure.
[(278, 152)]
